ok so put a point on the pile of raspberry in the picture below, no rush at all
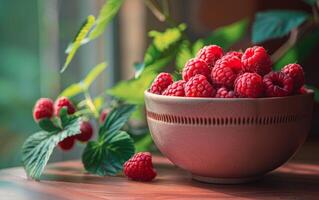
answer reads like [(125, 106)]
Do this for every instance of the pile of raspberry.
[(212, 73)]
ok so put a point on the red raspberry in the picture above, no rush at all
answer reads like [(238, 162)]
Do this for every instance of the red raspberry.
[(234, 53), (226, 71), (210, 54), (86, 130), (43, 108), (198, 86), (195, 66), (302, 90), (277, 84), (103, 115), (295, 72), (224, 92), (256, 59), (140, 167), (161, 82), (63, 102), (67, 143), (175, 89), (249, 85)]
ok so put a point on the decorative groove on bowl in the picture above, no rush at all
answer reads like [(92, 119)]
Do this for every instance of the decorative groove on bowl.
[(225, 121)]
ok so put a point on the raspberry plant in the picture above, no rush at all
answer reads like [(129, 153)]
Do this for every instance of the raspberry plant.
[(172, 46)]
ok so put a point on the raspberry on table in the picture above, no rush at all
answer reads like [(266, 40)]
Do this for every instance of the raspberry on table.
[(140, 167), (198, 86), (226, 71), (210, 54), (175, 89), (43, 108), (195, 66), (277, 84), (256, 59), (295, 72), (249, 85), (161, 82), (86, 132), (237, 54), (224, 92), (67, 143), (63, 102)]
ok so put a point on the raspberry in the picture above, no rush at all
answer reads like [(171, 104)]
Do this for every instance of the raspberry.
[(67, 143), (295, 72), (43, 108), (103, 115), (140, 167), (302, 90), (277, 84), (161, 82), (63, 102), (226, 71), (256, 59), (175, 89), (249, 85), (210, 54), (195, 66), (223, 92), (234, 53), (198, 86), (86, 130)]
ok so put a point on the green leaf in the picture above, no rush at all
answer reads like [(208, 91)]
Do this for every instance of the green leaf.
[(184, 53), (162, 50), (310, 2), (139, 68), (47, 125), (38, 148), (106, 157), (65, 118), (300, 51), (78, 40), (276, 23), (108, 11), (139, 113), (93, 74), (98, 102), (225, 36), (163, 41), (116, 119), (80, 87), (132, 91), (72, 90), (155, 60)]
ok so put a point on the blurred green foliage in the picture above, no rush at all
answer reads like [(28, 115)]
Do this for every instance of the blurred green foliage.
[(19, 76)]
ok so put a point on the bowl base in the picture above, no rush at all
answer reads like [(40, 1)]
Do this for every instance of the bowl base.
[(206, 179)]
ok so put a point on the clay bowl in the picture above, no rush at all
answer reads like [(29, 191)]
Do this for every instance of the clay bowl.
[(228, 140)]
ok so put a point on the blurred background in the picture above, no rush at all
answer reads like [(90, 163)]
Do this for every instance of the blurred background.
[(35, 33)]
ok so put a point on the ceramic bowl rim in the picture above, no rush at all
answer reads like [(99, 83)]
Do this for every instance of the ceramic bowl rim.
[(213, 99)]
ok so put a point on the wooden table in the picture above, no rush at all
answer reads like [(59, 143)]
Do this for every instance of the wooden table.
[(298, 179)]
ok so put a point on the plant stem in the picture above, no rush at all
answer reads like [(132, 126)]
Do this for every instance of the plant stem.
[(155, 9), (286, 46), (161, 15), (295, 34), (165, 5), (90, 103)]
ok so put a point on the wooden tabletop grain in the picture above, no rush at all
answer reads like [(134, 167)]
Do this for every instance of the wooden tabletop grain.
[(298, 179)]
